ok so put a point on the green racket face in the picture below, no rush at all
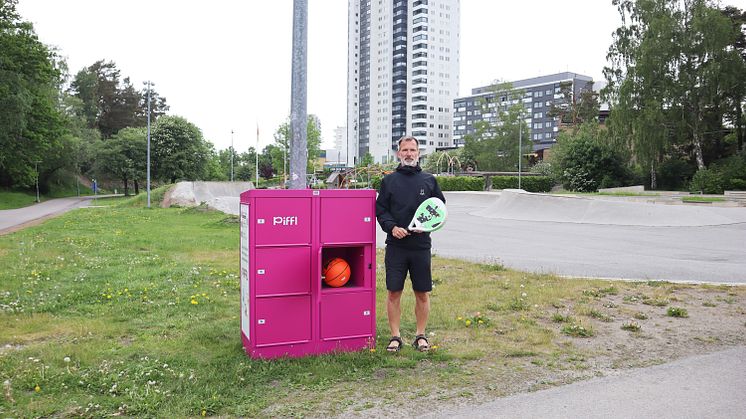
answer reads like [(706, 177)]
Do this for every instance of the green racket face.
[(430, 216)]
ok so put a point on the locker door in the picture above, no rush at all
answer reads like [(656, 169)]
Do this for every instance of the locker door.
[(347, 220), (349, 314), (283, 270), (283, 221), (283, 320)]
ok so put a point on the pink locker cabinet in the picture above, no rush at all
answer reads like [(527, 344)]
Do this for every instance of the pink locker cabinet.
[(286, 235)]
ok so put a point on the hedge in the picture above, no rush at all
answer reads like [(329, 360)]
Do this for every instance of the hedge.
[(460, 183), (528, 183), (475, 183)]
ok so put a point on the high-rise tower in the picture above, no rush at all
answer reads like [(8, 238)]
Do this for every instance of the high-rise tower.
[(403, 74)]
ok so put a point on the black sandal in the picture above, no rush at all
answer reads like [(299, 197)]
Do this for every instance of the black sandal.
[(422, 348), (390, 348)]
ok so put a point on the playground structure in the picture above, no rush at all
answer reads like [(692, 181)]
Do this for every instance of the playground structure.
[(351, 178), (453, 162)]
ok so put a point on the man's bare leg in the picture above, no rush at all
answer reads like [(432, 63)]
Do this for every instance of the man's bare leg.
[(393, 309), (421, 311)]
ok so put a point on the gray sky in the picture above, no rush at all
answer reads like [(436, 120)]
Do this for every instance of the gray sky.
[(226, 64)]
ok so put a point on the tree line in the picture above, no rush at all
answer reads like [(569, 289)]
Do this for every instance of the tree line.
[(55, 126), (676, 90)]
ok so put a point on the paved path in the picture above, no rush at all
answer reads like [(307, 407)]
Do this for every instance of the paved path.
[(15, 219), (691, 253), (705, 386)]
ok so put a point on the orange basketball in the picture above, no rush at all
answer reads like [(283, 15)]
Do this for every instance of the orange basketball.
[(336, 272)]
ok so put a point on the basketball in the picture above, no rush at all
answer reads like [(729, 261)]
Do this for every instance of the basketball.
[(336, 272)]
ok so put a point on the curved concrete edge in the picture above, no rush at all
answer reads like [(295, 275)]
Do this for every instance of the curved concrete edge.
[(516, 204), (709, 385), (220, 196)]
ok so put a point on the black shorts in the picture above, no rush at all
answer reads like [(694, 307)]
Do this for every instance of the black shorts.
[(399, 261)]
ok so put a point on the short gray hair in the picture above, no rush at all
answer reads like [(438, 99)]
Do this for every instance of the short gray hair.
[(407, 138)]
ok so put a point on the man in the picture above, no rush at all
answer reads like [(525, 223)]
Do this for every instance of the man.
[(400, 194)]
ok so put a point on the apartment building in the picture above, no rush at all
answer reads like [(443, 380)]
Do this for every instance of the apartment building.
[(403, 75), (539, 94)]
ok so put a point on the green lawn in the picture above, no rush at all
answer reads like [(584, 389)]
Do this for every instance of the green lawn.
[(122, 310), (13, 199), (702, 199)]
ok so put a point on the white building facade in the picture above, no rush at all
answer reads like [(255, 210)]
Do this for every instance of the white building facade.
[(403, 75)]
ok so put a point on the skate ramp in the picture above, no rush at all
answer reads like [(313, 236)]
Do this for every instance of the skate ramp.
[(516, 204), (221, 196), (478, 199)]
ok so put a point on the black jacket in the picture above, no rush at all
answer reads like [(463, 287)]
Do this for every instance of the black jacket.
[(400, 194)]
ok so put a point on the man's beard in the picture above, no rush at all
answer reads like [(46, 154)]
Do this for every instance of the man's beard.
[(412, 162)]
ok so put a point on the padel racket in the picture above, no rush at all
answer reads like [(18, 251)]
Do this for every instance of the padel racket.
[(430, 216)]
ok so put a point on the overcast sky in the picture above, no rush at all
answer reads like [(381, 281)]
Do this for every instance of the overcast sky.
[(225, 65)]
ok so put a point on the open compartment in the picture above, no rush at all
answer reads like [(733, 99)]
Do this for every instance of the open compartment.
[(357, 257)]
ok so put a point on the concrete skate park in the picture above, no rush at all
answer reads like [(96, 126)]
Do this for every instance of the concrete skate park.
[(595, 237), (599, 236)]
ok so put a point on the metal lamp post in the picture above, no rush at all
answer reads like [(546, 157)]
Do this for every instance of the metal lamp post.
[(231, 155), (148, 163), (298, 90), (36, 169), (520, 148)]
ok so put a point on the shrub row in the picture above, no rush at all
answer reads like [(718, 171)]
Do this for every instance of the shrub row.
[(460, 183), (474, 183), (528, 183)]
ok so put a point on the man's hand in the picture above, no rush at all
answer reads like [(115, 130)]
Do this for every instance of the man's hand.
[(399, 232)]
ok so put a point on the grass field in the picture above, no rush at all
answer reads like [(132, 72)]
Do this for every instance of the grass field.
[(121, 310), (14, 199), (702, 199)]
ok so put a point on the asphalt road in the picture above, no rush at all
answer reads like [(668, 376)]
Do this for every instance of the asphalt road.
[(706, 253), (705, 386), (12, 220)]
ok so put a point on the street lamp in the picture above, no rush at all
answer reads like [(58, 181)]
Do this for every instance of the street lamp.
[(231, 155), (36, 168), (148, 164), (520, 149)]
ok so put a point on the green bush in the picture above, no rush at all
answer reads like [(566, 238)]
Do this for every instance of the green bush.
[(528, 183), (733, 171), (584, 160), (460, 183), (475, 183), (707, 181), (675, 174), (737, 185)]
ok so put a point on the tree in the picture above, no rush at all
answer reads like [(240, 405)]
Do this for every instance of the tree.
[(495, 142), (31, 127), (735, 91), (584, 160), (667, 77), (366, 160), (178, 150), (247, 165), (111, 103), (123, 157), (574, 107), (313, 134)]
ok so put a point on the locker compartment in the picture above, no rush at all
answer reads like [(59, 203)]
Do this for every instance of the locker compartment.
[(283, 320), (283, 270), (282, 221), (347, 220), (358, 257), (347, 315)]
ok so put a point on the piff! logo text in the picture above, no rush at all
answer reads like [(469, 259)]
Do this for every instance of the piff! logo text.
[(285, 221)]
